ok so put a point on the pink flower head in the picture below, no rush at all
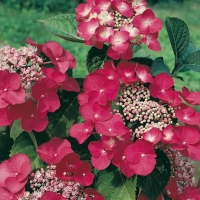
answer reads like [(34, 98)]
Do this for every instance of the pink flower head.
[(187, 141), (187, 115), (61, 58), (103, 4), (54, 150), (167, 135), (162, 86), (153, 136), (31, 119), (190, 97), (106, 18), (83, 174), (88, 29), (82, 131), (143, 72), (127, 72), (69, 164), (119, 41), (92, 194), (133, 31), (14, 173), (11, 91), (83, 10), (147, 22), (123, 7), (142, 155), (45, 93), (104, 33), (101, 157), (112, 127), (151, 40), (51, 196)]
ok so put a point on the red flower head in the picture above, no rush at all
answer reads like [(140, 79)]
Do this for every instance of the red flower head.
[(61, 58), (162, 86), (187, 141), (171, 188), (190, 193), (82, 131), (187, 115), (153, 136), (14, 173), (11, 91), (190, 97), (92, 194), (54, 150), (142, 155), (45, 93), (31, 119), (112, 127), (101, 157)]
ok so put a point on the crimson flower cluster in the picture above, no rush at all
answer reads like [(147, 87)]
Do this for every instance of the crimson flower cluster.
[(120, 23), (150, 114), (28, 89)]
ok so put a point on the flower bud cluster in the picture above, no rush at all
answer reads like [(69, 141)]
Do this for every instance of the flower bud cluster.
[(182, 169), (43, 181), (24, 61), (141, 111)]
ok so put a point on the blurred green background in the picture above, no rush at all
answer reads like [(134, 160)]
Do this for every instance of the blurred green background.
[(18, 20)]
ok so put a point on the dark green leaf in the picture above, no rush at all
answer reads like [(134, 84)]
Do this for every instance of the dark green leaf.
[(5, 146), (143, 60), (96, 58), (62, 119), (136, 48), (64, 26), (24, 144), (192, 61), (159, 66), (115, 186), (155, 182), (178, 33)]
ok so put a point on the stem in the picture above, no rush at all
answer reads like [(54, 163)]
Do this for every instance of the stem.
[(33, 139), (46, 63)]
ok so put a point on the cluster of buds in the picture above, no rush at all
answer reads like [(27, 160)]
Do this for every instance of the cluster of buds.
[(24, 61), (141, 111), (43, 181), (182, 169), (121, 23)]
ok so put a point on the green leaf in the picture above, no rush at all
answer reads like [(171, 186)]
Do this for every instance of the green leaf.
[(143, 60), (64, 26), (159, 66), (5, 146), (96, 58), (62, 119), (179, 36), (156, 181), (192, 61), (136, 48), (115, 186), (24, 144)]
